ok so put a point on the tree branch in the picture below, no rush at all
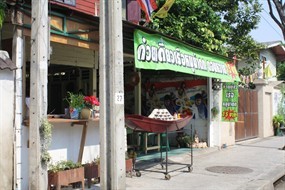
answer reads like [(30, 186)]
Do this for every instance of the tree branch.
[(280, 11)]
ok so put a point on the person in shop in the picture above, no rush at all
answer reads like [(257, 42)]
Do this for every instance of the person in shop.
[(199, 108), (168, 104)]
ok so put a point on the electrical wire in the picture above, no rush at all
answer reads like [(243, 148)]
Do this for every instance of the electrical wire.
[(270, 23)]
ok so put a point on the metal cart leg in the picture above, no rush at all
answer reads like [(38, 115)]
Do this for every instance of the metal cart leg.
[(167, 176)]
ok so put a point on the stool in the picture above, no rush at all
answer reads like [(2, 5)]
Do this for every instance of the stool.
[(145, 142)]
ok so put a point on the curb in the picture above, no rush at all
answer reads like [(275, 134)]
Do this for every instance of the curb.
[(266, 181)]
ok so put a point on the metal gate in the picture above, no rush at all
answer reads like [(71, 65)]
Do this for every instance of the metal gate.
[(247, 125)]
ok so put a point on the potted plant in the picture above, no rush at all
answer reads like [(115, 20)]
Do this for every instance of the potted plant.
[(130, 161), (65, 173), (92, 171), (277, 120), (184, 140), (76, 103), (214, 112), (91, 103)]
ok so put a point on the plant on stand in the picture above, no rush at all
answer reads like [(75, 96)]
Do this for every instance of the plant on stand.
[(76, 103), (92, 171), (64, 173), (91, 105)]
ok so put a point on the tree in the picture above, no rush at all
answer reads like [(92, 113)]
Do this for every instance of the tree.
[(280, 18), (219, 26), (2, 11)]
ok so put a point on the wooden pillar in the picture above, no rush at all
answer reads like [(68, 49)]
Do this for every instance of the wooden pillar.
[(38, 91)]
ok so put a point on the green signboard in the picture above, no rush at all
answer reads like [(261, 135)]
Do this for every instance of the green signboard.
[(156, 52), (230, 102)]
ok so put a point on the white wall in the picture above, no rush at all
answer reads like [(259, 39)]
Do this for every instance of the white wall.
[(277, 96), (6, 128), (66, 142)]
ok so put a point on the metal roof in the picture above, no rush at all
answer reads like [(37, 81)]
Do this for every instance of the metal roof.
[(6, 62)]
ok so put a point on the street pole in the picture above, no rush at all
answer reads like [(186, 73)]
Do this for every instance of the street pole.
[(112, 129), (38, 91)]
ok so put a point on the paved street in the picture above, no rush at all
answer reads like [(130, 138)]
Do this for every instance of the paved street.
[(254, 164), (251, 165)]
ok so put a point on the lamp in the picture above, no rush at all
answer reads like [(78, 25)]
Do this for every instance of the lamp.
[(216, 84)]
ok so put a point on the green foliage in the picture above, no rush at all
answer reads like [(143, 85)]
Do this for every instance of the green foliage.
[(214, 112), (184, 140), (281, 108), (96, 161), (215, 26), (277, 120), (75, 100), (280, 70), (2, 11), (46, 136), (63, 165)]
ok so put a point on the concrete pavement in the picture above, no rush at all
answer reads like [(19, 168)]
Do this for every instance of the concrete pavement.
[(249, 165)]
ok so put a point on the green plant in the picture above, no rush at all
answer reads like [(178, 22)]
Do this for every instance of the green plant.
[(277, 120), (3, 8), (75, 100), (184, 140), (63, 165), (131, 154), (45, 136), (96, 161), (214, 112)]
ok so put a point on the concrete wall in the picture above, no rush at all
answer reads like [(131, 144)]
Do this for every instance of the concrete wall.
[(265, 108), (227, 133), (6, 128), (221, 133)]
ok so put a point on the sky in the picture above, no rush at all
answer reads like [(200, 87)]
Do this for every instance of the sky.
[(267, 29)]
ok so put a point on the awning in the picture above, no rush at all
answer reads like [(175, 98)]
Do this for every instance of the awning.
[(5, 61), (156, 52)]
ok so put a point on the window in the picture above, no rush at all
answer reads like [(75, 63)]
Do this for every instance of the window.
[(69, 2)]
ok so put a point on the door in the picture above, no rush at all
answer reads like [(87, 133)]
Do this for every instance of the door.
[(247, 125)]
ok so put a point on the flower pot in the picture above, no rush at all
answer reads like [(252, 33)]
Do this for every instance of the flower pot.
[(66, 177), (91, 171), (85, 113), (74, 113), (129, 165)]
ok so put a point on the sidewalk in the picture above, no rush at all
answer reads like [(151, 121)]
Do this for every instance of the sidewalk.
[(250, 165)]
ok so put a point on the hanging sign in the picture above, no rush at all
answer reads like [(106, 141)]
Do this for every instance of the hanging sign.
[(230, 102), (156, 52)]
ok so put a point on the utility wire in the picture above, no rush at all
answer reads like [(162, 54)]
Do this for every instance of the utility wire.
[(270, 23)]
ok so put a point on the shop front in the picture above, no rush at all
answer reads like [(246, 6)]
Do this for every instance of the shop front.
[(190, 78)]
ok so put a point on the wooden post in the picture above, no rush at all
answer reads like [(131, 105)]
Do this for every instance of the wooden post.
[(112, 123), (19, 59), (38, 91)]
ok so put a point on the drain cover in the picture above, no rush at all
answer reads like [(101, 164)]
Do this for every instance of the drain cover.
[(229, 169)]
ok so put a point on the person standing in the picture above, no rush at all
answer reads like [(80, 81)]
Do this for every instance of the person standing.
[(199, 107)]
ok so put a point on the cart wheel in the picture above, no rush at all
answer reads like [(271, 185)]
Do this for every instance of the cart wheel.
[(138, 174), (190, 168), (167, 177)]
